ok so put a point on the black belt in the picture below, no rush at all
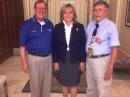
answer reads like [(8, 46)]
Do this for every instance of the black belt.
[(99, 56), (40, 55)]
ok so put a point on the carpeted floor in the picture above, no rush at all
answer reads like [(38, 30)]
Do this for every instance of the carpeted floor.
[(56, 87)]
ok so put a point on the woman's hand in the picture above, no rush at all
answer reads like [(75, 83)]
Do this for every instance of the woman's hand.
[(82, 66), (56, 66)]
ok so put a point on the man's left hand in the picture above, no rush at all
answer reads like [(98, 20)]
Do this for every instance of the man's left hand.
[(108, 73)]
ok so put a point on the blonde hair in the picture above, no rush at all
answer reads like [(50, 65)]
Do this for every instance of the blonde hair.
[(63, 9)]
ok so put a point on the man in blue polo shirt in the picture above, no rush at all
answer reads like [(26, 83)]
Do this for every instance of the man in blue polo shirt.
[(35, 39), (102, 48)]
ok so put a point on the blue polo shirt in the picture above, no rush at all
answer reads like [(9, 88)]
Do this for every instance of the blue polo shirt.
[(36, 38)]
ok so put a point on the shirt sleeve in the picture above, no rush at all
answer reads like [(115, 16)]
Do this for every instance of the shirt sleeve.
[(114, 37), (23, 35), (83, 42)]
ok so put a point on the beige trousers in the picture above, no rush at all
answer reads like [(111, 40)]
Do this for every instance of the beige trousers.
[(40, 69), (95, 70)]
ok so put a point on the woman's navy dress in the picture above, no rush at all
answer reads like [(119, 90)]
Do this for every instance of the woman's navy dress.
[(69, 73)]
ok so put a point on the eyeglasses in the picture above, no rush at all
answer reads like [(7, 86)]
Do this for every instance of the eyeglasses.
[(40, 9), (99, 10)]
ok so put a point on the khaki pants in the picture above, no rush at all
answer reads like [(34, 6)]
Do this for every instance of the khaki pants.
[(95, 70), (40, 69)]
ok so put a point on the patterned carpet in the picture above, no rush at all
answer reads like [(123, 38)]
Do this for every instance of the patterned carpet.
[(56, 87)]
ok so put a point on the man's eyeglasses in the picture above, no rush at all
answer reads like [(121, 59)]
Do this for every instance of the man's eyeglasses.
[(99, 10), (40, 9)]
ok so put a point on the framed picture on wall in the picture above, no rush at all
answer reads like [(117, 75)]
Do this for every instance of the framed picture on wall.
[(127, 20)]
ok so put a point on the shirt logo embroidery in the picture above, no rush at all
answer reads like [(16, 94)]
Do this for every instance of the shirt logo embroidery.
[(49, 30), (33, 31), (77, 29)]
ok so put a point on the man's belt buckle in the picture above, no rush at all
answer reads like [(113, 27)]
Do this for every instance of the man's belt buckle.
[(99, 56)]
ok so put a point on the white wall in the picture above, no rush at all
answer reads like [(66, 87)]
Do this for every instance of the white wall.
[(124, 30), (118, 14)]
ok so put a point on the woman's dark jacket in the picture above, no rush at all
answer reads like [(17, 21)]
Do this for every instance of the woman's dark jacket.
[(76, 45)]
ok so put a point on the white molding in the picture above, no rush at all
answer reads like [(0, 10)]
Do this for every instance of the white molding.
[(119, 13)]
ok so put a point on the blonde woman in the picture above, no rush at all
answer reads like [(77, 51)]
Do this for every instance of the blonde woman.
[(69, 50)]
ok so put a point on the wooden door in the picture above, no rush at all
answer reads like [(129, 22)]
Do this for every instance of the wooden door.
[(11, 16), (5, 47), (15, 19)]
